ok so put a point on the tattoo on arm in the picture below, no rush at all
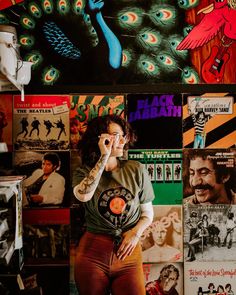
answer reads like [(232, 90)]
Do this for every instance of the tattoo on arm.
[(90, 182)]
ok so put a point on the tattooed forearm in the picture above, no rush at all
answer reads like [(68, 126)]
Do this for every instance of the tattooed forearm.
[(89, 183)]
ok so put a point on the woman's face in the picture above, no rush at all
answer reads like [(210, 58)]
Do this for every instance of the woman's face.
[(119, 139), (48, 167)]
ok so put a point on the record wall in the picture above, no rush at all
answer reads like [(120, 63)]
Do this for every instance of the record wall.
[(194, 216), (168, 68)]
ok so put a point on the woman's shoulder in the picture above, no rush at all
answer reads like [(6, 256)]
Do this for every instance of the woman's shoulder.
[(132, 164)]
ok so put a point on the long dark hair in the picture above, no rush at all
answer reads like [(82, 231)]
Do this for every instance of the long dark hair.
[(88, 145)]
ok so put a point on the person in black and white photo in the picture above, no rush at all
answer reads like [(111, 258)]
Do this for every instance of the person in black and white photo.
[(230, 226)]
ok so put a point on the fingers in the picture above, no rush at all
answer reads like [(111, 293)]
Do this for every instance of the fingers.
[(106, 139), (127, 250)]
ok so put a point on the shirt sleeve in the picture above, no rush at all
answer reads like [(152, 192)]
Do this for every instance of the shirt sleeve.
[(146, 194)]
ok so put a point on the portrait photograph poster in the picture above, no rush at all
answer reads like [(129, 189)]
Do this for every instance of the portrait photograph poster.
[(224, 159), (219, 111), (41, 122), (162, 240), (199, 277), (83, 108), (164, 169)]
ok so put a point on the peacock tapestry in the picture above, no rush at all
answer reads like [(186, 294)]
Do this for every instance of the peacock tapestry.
[(95, 42)]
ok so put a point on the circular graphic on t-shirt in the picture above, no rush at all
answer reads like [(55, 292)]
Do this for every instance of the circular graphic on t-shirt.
[(114, 204), (117, 205)]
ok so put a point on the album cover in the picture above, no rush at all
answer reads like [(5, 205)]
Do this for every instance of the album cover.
[(162, 241), (41, 122), (47, 177), (209, 232), (209, 120), (86, 107), (46, 233), (165, 171), (210, 278), (157, 120), (164, 278), (209, 176)]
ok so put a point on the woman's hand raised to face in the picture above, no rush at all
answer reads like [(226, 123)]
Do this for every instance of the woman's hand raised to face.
[(105, 143)]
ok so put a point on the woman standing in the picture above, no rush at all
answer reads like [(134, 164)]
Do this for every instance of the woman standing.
[(117, 195)]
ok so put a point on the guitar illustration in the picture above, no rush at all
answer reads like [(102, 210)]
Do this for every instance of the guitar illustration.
[(214, 66)]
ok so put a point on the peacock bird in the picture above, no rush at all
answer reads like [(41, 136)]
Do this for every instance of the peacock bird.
[(102, 42)]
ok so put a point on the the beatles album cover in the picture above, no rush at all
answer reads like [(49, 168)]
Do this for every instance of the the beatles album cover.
[(209, 120), (41, 122), (157, 120), (164, 278), (47, 177), (165, 171), (162, 241), (209, 176), (209, 232), (86, 107), (210, 278), (6, 101)]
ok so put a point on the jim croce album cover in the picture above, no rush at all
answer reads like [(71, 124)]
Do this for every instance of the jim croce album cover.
[(209, 120), (163, 278), (210, 278), (86, 107), (209, 232), (41, 122), (162, 240), (165, 171), (209, 176), (158, 114)]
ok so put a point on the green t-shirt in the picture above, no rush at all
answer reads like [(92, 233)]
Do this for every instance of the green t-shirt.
[(115, 206)]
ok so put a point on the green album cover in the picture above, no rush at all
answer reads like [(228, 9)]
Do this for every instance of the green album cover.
[(165, 170)]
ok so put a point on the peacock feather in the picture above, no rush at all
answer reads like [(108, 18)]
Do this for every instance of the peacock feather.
[(59, 42), (101, 41)]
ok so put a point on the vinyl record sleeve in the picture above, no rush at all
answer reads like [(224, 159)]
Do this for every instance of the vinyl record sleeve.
[(156, 118), (86, 107), (210, 278), (41, 122), (217, 128), (165, 170)]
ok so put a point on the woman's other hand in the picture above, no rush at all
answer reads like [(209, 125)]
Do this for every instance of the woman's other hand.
[(129, 242)]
